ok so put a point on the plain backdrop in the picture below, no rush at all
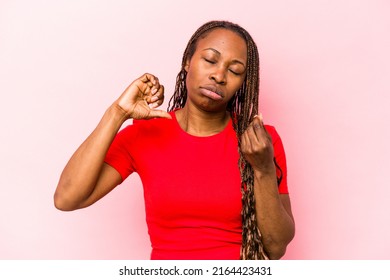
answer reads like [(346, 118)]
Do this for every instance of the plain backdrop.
[(325, 71)]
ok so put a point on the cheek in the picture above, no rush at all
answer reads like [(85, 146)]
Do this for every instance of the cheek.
[(237, 84), (195, 74), (188, 78)]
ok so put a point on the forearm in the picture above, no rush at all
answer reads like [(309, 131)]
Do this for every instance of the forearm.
[(275, 222), (81, 173)]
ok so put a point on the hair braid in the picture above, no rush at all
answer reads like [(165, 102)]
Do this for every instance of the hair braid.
[(243, 107)]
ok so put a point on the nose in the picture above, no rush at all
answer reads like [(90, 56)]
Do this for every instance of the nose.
[(218, 75)]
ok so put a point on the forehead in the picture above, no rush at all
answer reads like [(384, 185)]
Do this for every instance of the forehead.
[(224, 40)]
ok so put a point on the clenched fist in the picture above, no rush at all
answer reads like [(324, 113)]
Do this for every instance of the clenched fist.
[(141, 98), (257, 148)]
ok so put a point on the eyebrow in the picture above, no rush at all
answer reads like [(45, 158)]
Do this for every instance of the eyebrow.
[(218, 53)]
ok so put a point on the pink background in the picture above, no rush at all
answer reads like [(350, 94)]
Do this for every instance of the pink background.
[(325, 70)]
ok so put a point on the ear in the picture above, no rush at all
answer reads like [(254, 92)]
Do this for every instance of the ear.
[(187, 65)]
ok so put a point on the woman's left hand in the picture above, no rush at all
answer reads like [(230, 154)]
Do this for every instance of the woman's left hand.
[(257, 148)]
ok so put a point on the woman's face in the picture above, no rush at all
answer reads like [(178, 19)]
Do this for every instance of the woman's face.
[(216, 70)]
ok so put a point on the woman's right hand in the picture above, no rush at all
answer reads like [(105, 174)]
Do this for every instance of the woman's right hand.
[(141, 98)]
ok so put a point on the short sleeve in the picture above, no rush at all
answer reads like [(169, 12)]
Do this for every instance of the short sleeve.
[(280, 158), (119, 154)]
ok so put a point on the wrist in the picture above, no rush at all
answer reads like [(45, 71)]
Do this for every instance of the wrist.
[(117, 114), (266, 180), (264, 171)]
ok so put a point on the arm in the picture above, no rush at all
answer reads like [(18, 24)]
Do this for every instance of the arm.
[(86, 178), (273, 214), (273, 210)]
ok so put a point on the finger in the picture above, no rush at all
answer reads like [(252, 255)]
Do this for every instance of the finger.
[(257, 121), (145, 78), (258, 125), (151, 81), (159, 114), (253, 139), (259, 129), (156, 87), (159, 92), (250, 132), (158, 102), (248, 139), (155, 104), (157, 97), (261, 119)]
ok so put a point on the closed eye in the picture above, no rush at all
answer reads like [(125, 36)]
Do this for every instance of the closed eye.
[(234, 72), (209, 61)]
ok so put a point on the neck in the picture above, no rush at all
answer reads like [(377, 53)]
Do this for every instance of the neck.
[(201, 123)]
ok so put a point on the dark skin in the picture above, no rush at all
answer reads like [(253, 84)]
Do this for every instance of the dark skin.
[(215, 72), (219, 63), (217, 66), (86, 178), (273, 210)]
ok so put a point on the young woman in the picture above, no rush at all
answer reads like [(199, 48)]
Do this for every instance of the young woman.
[(214, 176)]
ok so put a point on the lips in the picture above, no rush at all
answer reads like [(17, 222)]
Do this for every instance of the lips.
[(212, 92)]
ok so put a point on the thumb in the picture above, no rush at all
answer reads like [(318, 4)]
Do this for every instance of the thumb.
[(159, 114)]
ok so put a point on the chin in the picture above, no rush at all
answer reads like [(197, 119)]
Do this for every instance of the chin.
[(213, 108)]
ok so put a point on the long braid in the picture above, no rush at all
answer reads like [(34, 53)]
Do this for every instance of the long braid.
[(243, 107)]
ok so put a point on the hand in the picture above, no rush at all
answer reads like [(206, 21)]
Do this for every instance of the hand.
[(257, 148), (141, 98)]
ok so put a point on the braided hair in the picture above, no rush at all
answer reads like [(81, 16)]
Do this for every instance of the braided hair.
[(243, 107)]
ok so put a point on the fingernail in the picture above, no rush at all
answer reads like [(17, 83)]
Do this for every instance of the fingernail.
[(154, 90), (154, 98)]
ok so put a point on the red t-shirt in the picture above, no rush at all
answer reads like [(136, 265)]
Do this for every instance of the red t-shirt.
[(191, 186)]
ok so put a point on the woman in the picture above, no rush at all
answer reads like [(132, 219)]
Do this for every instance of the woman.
[(214, 175)]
